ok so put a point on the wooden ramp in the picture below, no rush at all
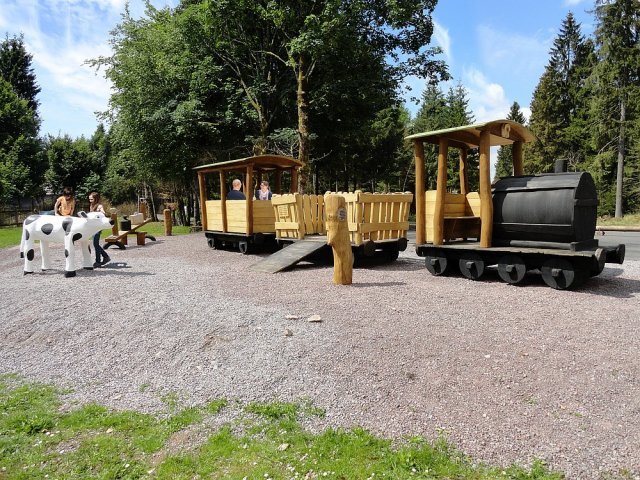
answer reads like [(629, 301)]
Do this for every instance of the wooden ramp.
[(290, 255)]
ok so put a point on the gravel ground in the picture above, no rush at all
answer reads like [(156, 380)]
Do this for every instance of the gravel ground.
[(507, 374)]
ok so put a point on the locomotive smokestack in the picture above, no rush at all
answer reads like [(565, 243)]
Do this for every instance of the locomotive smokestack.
[(560, 166)]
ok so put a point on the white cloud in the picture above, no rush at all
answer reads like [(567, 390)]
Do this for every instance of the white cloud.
[(572, 3), (442, 38), (487, 100)]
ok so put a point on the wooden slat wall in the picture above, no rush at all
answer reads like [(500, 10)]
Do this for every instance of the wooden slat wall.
[(236, 216), (473, 204), (214, 215), (378, 216), (263, 219)]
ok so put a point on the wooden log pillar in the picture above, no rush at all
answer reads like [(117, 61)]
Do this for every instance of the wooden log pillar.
[(203, 200), (168, 222), (144, 210), (464, 178), (223, 200), (518, 161), (277, 188), (114, 218), (421, 231), (338, 238), (249, 195), (441, 192), (294, 180), (486, 201)]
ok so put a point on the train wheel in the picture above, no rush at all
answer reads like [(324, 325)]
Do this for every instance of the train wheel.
[(512, 269), (561, 274), (392, 254), (211, 242), (243, 246), (471, 265), (436, 264)]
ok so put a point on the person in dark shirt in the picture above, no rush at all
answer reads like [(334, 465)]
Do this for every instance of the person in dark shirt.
[(235, 193)]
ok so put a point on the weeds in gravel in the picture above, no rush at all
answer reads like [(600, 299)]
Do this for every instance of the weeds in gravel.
[(38, 439)]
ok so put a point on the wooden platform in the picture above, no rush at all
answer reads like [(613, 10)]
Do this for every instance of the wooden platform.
[(290, 255)]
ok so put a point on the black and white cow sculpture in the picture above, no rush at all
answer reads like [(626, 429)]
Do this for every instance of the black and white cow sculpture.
[(67, 230)]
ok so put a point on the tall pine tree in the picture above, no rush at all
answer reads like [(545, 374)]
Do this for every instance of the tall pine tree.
[(15, 68), (559, 106), (504, 164), (616, 86)]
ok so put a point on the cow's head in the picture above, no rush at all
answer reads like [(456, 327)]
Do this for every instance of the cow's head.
[(96, 220)]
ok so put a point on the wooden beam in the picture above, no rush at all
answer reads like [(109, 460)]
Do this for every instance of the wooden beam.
[(464, 180), (486, 202), (249, 193), (277, 188), (518, 161), (294, 180), (338, 238), (441, 191), (421, 232), (203, 200), (223, 200)]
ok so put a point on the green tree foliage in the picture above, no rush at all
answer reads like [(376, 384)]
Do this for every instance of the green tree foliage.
[(20, 161), (615, 82), (439, 111), (559, 109), (73, 163), (15, 68), (312, 31), (504, 164)]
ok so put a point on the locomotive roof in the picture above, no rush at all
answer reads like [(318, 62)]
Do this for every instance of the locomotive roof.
[(503, 132), (262, 162)]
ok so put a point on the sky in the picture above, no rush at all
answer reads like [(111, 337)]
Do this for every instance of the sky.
[(497, 49)]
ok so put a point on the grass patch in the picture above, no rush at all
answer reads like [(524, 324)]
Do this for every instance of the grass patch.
[(628, 220), (10, 236), (37, 439)]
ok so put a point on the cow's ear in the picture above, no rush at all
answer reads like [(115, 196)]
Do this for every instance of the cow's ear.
[(82, 214)]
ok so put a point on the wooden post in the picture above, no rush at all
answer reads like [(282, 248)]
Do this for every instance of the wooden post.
[(338, 238), (294, 180), (144, 210), (421, 232), (441, 192), (518, 163), (277, 188), (486, 201), (464, 179), (249, 193), (168, 223), (203, 200), (114, 216), (223, 200)]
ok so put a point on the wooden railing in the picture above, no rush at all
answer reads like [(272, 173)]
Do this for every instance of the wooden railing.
[(371, 216)]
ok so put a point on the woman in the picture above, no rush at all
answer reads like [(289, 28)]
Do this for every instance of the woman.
[(264, 193), (65, 204), (101, 256)]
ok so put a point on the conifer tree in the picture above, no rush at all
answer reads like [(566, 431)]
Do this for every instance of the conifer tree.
[(616, 86), (504, 164), (559, 106), (15, 68)]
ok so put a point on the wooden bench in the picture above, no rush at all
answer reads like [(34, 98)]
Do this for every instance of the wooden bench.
[(121, 241), (461, 215)]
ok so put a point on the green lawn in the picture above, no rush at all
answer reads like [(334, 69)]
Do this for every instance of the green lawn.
[(38, 440), (10, 236)]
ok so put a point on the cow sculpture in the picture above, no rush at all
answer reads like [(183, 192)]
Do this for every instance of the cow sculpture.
[(67, 230)]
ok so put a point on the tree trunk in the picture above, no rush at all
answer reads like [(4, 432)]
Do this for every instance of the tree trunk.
[(620, 173), (303, 121)]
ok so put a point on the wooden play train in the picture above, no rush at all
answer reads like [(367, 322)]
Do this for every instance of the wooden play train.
[(521, 223)]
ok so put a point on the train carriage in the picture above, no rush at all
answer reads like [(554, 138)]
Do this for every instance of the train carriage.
[(523, 222), (247, 223)]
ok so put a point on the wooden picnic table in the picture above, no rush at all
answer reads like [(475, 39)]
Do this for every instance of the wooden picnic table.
[(121, 241)]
